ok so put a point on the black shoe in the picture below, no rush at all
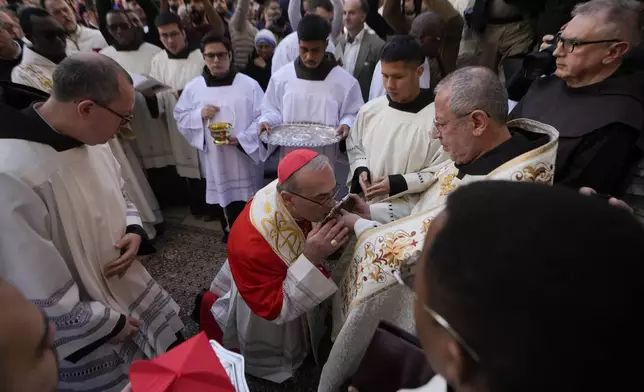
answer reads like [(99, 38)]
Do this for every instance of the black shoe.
[(225, 238), (196, 312)]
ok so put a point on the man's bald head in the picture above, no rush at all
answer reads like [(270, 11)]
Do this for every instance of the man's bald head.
[(27, 359), (427, 24), (88, 75)]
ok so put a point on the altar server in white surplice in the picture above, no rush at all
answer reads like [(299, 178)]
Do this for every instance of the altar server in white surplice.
[(129, 48), (392, 157), (178, 64), (181, 61), (288, 48), (71, 240), (313, 88), (428, 28), (233, 169)]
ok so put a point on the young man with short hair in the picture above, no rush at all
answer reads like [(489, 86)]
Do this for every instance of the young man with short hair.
[(391, 152)]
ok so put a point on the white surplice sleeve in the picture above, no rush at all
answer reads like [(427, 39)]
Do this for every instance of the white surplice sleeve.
[(377, 88), (355, 150), (295, 13), (131, 212), (271, 108), (338, 21), (271, 112), (155, 73), (249, 139), (31, 262), (362, 225), (281, 55), (351, 105), (187, 114), (419, 182), (304, 288)]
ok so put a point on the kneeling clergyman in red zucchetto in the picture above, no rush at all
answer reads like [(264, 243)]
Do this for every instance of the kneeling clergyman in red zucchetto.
[(266, 294)]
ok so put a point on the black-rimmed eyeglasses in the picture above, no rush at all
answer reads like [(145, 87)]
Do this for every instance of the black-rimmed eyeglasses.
[(330, 196), (568, 45), (125, 118), (408, 282)]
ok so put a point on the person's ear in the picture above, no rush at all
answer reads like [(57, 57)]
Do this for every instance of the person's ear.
[(420, 70), (616, 52), (287, 198), (455, 366), (85, 108), (481, 121)]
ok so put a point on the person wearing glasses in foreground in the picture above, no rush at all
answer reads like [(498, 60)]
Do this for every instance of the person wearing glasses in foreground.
[(47, 49), (269, 290), (595, 98), (471, 112), (69, 235), (513, 313)]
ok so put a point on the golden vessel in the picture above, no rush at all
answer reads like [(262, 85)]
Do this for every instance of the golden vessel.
[(126, 133), (220, 131)]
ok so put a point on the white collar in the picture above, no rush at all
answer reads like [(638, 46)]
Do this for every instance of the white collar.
[(358, 37), (79, 31)]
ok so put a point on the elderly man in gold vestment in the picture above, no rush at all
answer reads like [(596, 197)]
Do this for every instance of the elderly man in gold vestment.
[(471, 124)]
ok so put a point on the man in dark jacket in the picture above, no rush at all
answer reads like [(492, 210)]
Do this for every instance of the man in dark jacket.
[(595, 98)]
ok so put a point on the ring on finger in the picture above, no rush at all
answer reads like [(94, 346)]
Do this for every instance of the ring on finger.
[(334, 243)]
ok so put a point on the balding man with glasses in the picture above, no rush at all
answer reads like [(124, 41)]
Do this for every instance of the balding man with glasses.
[(70, 235), (595, 99), (266, 299)]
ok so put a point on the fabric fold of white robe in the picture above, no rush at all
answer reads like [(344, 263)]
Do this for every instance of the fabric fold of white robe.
[(185, 156), (136, 185), (152, 144), (231, 174), (81, 212), (133, 61)]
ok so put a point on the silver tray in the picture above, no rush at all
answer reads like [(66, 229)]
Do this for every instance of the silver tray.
[(300, 135)]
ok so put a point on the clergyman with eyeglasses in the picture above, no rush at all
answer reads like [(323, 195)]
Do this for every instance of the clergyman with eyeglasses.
[(71, 237), (471, 125), (266, 297), (595, 98)]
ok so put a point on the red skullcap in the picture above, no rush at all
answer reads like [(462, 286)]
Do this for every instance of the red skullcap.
[(292, 162)]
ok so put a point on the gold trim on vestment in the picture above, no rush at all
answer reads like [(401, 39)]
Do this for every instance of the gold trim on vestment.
[(395, 246), (269, 216)]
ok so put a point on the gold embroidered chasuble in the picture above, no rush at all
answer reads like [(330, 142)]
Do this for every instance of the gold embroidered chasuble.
[(270, 217)]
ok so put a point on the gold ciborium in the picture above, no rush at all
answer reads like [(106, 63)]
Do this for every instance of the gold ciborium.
[(220, 131)]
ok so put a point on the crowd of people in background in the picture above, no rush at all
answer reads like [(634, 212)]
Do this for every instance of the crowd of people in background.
[(491, 153)]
